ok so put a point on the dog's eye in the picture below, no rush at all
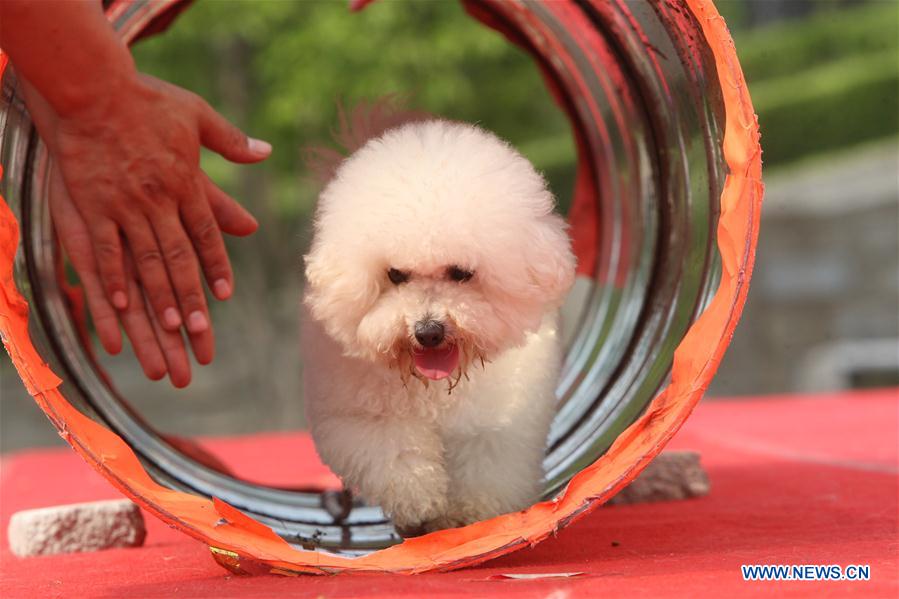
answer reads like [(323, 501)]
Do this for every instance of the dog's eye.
[(459, 274), (397, 277)]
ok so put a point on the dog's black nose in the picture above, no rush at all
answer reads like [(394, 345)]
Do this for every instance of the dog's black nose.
[(429, 333)]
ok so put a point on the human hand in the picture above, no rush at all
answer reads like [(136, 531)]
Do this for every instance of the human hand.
[(131, 205), (131, 165), (158, 350)]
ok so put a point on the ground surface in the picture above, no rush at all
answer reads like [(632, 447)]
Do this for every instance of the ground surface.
[(795, 480)]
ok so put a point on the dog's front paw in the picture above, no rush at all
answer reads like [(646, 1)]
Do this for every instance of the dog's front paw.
[(410, 532), (413, 518), (444, 521), (463, 511), (441, 522), (415, 495)]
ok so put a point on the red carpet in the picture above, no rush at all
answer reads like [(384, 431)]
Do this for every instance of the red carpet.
[(795, 480)]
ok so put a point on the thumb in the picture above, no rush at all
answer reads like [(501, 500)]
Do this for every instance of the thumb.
[(232, 218), (220, 136)]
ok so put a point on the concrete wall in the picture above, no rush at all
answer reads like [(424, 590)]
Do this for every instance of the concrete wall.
[(826, 279)]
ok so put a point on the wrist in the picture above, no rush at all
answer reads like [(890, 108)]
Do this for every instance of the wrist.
[(66, 49), (96, 88)]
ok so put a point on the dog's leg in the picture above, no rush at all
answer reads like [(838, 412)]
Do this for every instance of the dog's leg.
[(496, 437), (397, 464), (492, 473)]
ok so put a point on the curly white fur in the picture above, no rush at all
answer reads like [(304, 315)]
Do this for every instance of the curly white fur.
[(422, 198)]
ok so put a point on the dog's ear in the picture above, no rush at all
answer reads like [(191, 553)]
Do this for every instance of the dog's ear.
[(339, 291), (550, 262)]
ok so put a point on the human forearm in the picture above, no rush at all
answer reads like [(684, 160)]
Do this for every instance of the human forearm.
[(66, 49)]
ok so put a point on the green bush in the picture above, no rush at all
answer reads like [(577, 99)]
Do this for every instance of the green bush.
[(792, 47), (277, 68), (828, 108)]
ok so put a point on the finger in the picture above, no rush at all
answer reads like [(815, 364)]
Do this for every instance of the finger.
[(220, 136), (107, 246), (76, 242), (161, 351), (203, 346), (174, 352), (231, 217), (184, 272), (147, 260), (207, 240), (144, 343), (105, 317)]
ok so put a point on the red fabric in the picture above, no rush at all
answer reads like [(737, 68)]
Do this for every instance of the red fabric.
[(795, 480)]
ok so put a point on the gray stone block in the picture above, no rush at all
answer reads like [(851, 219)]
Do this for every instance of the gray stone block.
[(77, 527), (672, 475)]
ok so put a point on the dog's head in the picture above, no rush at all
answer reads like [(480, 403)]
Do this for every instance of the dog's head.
[(435, 246)]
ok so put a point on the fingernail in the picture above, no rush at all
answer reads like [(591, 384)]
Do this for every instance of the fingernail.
[(120, 300), (222, 289), (257, 146), (196, 322), (172, 318)]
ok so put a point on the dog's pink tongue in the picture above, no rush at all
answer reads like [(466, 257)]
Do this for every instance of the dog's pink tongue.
[(437, 363)]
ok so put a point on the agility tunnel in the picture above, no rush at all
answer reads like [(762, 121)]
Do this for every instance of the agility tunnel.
[(664, 219)]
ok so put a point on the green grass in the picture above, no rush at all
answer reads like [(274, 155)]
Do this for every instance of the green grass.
[(828, 107), (818, 86), (830, 35)]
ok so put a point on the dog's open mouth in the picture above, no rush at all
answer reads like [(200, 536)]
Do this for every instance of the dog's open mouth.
[(436, 363)]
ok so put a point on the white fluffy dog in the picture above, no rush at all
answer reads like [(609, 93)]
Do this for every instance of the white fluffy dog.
[(431, 340)]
